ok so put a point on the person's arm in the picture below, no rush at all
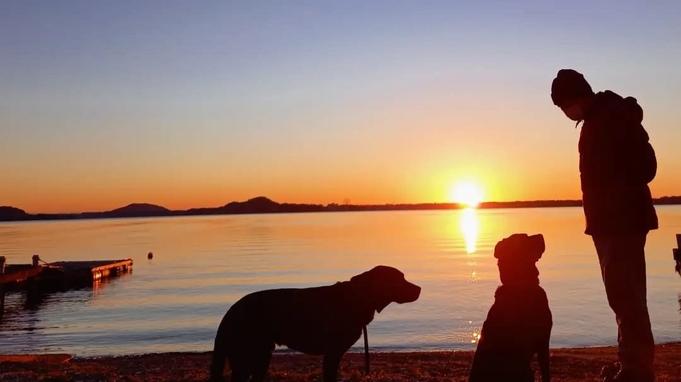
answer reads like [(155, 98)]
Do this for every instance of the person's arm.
[(634, 155), (600, 165)]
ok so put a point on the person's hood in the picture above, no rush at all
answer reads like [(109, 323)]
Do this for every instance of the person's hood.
[(611, 102)]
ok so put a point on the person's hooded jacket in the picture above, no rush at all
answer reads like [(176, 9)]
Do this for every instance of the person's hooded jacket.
[(616, 163)]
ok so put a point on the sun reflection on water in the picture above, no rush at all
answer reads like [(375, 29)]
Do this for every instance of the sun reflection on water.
[(470, 228)]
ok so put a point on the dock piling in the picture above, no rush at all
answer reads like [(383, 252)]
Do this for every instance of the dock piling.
[(677, 253), (3, 261)]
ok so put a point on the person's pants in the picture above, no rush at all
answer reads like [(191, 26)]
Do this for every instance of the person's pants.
[(623, 268)]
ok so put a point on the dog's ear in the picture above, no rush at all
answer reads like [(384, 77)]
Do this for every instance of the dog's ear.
[(521, 245), (372, 285), (537, 246)]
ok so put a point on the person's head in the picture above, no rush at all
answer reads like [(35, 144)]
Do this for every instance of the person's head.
[(571, 93)]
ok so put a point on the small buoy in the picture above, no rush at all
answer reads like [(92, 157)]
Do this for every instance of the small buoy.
[(150, 256)]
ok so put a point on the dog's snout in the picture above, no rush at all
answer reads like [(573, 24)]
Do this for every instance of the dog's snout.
[(414, 292)]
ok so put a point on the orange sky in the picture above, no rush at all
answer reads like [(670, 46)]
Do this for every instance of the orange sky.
[(432, 179), (411, 151)]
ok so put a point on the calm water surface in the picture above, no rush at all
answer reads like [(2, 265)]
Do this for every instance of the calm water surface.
[(204, 264)]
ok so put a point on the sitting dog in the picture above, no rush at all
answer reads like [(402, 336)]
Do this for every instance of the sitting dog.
[(519, 322), (324, 320)]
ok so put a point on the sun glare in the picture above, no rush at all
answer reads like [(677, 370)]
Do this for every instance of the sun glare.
[(467, 193)]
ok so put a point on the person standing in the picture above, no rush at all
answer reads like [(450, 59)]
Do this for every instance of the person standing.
[(616, 163)]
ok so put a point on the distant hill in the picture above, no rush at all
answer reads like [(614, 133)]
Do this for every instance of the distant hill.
[(264, 205), (257, 205), (260, 204), (11, 213), (139, 210)]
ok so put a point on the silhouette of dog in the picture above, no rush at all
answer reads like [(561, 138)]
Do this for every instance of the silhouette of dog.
[(519, 323), (325, 320)]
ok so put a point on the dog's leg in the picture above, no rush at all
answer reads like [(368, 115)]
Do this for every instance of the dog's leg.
[(216, 368), (241, 366), (240, 375), (476, 374), (331, 365), (543, 359), (260, 365), (217, 365)]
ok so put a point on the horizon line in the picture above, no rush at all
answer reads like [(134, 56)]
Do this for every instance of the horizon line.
[(457, 204)]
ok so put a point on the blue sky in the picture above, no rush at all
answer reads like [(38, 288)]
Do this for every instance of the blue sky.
[(179, 103)]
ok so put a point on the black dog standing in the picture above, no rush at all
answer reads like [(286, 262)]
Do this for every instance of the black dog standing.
[(324, 320), (519, 322)]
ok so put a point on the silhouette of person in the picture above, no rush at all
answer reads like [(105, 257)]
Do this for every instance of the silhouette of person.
[(616, 163)]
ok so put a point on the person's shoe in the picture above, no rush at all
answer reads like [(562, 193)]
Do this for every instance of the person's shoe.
[(608, 372)]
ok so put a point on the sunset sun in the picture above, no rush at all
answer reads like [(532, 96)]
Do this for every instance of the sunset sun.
[(466, 193)]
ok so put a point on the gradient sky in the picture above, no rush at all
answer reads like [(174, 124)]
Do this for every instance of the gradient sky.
[(199, 103)]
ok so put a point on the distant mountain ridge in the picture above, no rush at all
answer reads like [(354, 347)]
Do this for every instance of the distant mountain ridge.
[(8, 213), (136, 208), (261, 204)]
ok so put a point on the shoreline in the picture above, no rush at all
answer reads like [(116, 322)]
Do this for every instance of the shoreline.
[(263, 205), (567, 365)]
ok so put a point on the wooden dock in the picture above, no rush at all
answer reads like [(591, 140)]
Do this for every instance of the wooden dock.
[(18, 273), (84, 271), (59, 275)]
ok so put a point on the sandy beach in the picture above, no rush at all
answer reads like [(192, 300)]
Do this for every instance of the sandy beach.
[(567, 365)]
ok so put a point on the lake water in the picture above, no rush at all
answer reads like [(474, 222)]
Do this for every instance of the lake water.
[(203, 264)]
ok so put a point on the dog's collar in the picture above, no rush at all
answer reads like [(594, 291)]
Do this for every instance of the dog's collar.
[(527, 290)]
